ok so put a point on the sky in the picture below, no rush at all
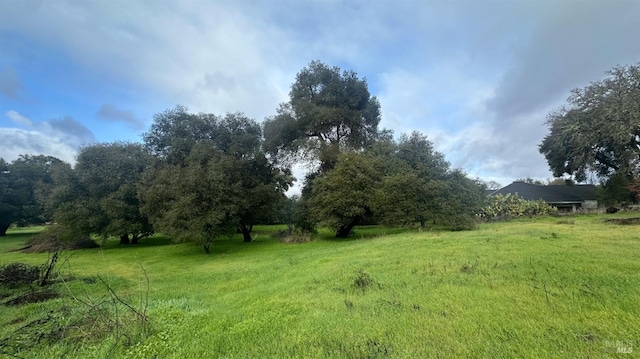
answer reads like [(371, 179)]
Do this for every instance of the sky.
[(478, 77)]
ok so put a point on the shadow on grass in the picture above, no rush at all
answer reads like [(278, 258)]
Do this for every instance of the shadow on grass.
[(262, 235), (152, 241), (362, 232)]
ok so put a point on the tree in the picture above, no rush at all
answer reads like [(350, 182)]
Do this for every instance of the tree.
[(411, 189), (99, 196), (530, 180), (462, 199), (559, 181), (211, 179), (174, 133), (8, 201), (329, 111), (342, 197), (398, 183), (404, 198), (419, 154), (493, 185), (19, 181), (598, 133), (419, 186)]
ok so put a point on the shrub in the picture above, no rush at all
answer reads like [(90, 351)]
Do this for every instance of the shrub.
[(362, 280), (16, 274), (505, 207)]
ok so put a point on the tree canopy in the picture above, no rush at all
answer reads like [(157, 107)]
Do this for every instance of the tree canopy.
[(598, 132), (200, 176), (329, 111), (19, 181), (341, 198), (99, 195), (211, 181), (397, 183)]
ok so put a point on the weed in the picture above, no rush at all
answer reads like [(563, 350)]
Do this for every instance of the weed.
[(362, 281), (73, 319), (469, 268)]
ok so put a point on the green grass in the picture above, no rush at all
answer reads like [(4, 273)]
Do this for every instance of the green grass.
[(551, 287)]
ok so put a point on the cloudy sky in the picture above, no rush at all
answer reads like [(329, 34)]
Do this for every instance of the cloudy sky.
[(477, 77)]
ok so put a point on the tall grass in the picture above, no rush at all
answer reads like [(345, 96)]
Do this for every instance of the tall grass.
[(530, 288)]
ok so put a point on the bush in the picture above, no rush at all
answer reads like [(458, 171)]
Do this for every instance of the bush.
[(505, 207), (17, 274), (460, 222)]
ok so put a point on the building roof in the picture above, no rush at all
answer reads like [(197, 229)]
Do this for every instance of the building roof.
[(576, 193)]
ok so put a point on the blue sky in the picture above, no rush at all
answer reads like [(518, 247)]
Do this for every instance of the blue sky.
[(477, 77)]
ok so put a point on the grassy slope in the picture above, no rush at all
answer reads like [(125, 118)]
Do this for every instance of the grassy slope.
[(531, 288)]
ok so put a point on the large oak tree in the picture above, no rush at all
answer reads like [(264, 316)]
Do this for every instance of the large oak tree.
[(19, 183), (99, 195), (329, 111), (598, 132), (398, 183), (211, 176)]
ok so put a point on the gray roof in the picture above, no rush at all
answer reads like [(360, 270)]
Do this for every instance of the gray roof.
[(576, 193)]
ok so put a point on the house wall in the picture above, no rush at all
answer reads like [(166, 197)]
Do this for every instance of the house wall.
[(590, 204)]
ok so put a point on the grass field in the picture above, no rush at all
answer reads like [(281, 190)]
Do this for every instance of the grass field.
[(533, 288)]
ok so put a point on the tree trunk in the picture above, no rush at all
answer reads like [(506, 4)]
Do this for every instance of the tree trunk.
[(134, 239), (344, 231), (124, 239), (246, 233), (3, 229)]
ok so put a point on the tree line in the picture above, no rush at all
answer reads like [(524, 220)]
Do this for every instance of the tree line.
[(199, 176)]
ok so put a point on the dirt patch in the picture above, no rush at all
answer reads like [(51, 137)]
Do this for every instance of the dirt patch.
[(624, 221)]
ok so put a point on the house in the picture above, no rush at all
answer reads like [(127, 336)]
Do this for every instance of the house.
[(568, 198)]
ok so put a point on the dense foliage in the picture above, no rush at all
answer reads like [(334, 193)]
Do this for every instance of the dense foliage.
[(19, 183), (99, 195), (395, 183), (329, 111), (209, 180), (598, 133), (504, 207), (199, 176)]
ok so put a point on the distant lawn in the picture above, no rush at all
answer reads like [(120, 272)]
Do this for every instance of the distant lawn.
[(15, 238), (552, 287)]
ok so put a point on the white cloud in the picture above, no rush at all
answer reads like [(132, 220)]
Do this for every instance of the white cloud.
[(176, 50), (478, 77), (19, 119), (19, 142), (60, 138)]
